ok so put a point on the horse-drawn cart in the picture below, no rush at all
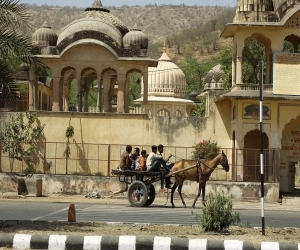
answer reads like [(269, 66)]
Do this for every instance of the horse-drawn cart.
[(141, 192)]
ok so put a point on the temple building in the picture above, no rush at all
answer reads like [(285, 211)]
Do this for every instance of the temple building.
[(96, 52)]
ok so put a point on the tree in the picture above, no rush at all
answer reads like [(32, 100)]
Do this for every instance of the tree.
[(195, 73), (253, 53), (226, 66), (178, 40), (15, 44), (199, 111), (69, 134), (19, 137), (135, 87), (288, 47)]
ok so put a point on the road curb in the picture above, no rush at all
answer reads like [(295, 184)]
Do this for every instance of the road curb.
[(62, 242)]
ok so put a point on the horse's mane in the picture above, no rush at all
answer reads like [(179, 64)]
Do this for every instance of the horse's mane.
[(211, 156)]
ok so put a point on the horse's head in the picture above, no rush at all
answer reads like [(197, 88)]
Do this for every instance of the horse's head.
[(224, 162)]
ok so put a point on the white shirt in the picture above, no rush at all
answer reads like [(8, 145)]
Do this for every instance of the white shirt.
[(151, 158), (137, 162)]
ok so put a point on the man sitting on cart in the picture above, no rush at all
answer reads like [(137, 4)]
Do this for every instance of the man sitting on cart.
[(125, 161), (154, 161)]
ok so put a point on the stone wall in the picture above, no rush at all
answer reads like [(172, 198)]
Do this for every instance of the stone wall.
[(105, 186)]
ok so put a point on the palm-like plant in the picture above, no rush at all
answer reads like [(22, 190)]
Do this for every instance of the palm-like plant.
[(15, 44)]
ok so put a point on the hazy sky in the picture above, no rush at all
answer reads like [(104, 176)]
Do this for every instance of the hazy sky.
[(118, 3)]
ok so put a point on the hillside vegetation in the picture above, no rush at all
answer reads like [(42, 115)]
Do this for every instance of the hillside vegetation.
[(187, 31)]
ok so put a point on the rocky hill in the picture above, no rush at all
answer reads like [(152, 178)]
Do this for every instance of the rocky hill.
[(156, 22)]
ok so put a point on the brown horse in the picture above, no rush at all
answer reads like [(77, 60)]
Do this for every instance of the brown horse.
[(199, 171)]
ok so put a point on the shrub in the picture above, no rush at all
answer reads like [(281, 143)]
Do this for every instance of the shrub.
[(204, 149), (20, 137), (99, 174), (217, 215)]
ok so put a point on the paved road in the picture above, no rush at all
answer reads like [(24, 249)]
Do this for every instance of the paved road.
[(120, 211)]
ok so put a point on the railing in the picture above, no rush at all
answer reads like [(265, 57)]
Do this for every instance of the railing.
[(100, 159), (247, 86), (246, 165)]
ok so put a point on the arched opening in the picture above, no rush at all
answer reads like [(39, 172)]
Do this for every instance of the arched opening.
[(290, 156), (178, 113), (134, 89), (253, 52), (163, 113), (291, 44), (109, 89), (251, 155), (68, 96), (88, 76), (233, 160)]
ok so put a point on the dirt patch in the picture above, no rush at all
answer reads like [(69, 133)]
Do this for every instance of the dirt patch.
[(190, 232)]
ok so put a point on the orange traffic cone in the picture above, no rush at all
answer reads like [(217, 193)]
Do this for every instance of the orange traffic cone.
[(72, 213)]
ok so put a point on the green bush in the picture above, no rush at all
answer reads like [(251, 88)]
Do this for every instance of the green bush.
[(99, 174), (217, 215), (204, 149)]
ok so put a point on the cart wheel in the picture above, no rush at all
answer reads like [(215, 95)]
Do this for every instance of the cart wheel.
[(137, 194), (151, 195)]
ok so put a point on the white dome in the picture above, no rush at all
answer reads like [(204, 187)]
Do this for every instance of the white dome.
[(167, 79)]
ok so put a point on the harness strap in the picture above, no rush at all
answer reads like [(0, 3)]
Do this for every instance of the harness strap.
[(203, 173)]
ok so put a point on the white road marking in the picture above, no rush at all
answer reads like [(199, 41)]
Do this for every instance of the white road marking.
[(44, 216)]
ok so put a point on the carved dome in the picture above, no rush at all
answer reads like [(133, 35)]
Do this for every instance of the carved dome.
[(96, 20), (215, 74), (135, 37), (214, 78), (167, 79), (263, 11), (44, 36)]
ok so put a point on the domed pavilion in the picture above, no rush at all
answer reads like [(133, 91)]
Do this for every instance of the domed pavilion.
[(95, 52), (166, 90)]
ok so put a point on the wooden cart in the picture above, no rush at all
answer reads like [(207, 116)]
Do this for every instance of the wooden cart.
[(141, 191)]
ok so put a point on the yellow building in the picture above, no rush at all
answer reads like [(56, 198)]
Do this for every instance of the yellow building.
[(271, 23)]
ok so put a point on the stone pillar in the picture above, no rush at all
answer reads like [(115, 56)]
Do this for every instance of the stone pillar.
[(99, 95), (65, 97), (85, 94), (55, 103), (106, 89), (145, 80), (233, 63), (121, 93), (126, 100), (79, 94), (31, 89), (268, 64), (56, 88), (239, 62)]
